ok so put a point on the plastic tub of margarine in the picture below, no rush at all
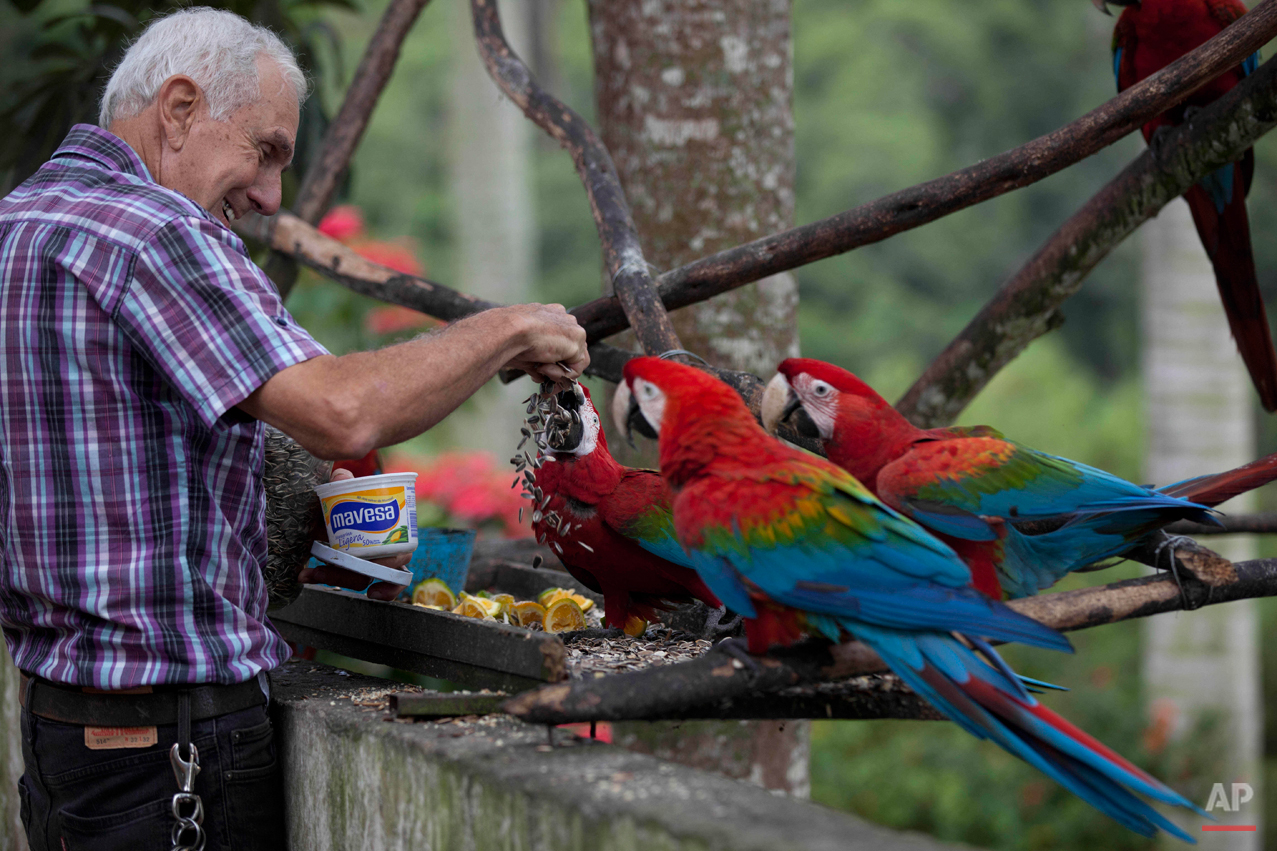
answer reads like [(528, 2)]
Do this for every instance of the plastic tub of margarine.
[(371, 516)]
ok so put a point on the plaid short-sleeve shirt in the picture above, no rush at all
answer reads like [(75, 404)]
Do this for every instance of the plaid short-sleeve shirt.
[(132, 524)]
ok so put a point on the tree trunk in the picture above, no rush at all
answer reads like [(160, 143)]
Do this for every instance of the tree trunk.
[(490, 148), (693, 99), (1201, 669), (694, 104)]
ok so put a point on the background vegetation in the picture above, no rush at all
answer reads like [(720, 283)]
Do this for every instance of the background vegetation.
[(886, 94)]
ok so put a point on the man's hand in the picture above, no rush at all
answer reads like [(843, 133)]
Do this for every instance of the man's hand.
[(326, 574), (554, 347)]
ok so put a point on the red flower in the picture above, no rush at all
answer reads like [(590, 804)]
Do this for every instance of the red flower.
[(343, 223)]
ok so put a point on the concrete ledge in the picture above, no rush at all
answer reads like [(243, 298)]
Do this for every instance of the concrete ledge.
[(356, 781)]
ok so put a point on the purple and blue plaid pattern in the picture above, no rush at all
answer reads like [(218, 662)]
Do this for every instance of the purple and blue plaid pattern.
[(133, 528)]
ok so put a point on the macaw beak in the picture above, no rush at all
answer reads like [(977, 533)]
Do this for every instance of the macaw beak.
[(568, 433), (628, 416), (780, 403), (775, 408)]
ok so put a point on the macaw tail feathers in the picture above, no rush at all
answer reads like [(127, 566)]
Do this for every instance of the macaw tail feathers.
[(979, 695), (1221, 487), (1218, 204)]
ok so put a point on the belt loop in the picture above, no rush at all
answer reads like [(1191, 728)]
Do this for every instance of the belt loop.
[(184, 719), (27, 682)]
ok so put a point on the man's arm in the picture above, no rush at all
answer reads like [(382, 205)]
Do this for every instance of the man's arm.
[(342, 407)]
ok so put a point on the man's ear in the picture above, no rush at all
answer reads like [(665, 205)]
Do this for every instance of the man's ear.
[(179, 101)]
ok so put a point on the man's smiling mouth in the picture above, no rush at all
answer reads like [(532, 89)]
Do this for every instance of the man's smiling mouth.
[(228, 211)]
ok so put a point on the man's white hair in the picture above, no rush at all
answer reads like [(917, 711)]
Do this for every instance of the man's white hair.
[(215, 48)]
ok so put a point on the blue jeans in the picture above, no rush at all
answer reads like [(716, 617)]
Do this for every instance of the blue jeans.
[(76, 798)]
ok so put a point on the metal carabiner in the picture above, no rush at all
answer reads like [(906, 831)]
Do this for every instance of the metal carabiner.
[(184, 770)]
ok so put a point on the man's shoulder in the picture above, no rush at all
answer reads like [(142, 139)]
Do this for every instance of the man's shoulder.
[(120, 208)]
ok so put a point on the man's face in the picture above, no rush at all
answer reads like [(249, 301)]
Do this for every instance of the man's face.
[(231, 167)]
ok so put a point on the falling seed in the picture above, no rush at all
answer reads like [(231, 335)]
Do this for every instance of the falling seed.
[(587, 546), (520, 514), (537, 561), (536, 517), (557, 548)]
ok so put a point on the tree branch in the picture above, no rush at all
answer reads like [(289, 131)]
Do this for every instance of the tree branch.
[(622, 253), (1027, 306), (288, 235), (686, 689), (926, 202), (1236, 524)]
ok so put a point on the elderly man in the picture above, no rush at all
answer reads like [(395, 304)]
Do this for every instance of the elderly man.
[(143, 353)]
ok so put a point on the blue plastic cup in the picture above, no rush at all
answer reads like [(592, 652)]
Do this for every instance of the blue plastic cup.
[(443, 554)]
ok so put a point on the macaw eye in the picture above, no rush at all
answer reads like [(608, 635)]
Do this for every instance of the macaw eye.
[(820, 389), (648, 390)]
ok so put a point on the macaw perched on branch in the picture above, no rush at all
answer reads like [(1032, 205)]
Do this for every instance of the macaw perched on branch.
[(614, 532), (1151, 34), (797, 545), (1020, 518)]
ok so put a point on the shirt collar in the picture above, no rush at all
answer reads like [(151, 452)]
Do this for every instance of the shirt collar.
[(101, 146), (88, 141)]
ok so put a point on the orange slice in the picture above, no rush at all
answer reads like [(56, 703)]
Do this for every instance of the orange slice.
[(477, 607), (506, 610), (433, 593), (564, 615), (553, 595), (528, 613), (635, 626)]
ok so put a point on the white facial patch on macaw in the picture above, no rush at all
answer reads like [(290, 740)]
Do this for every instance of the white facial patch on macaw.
[(651, 401), (589, 429), (820, 400)]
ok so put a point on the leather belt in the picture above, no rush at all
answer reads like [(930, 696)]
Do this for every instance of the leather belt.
[(93, 708)]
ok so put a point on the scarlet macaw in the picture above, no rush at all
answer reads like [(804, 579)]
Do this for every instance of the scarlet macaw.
[(614, 532), (1020, 518), (796, 545), (1151, 34)]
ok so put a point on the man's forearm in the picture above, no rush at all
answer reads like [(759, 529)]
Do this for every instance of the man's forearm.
[(342, 407)]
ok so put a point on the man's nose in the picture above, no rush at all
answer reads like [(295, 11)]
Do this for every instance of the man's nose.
[(266, 194)]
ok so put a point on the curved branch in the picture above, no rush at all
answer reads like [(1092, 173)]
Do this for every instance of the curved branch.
[(926, 202), (621, 250), (1027, 306), (716, 678)]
